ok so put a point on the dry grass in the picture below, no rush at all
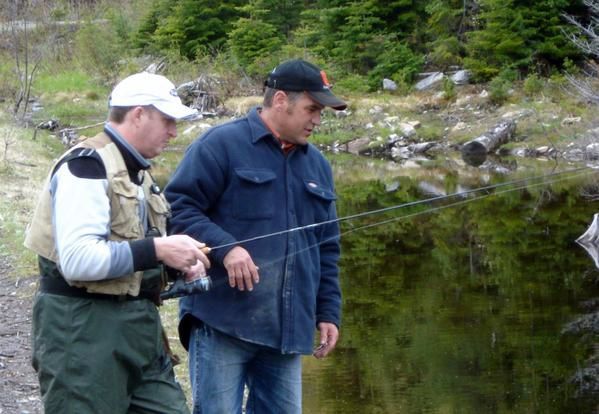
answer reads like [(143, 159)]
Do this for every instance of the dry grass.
[(23, 166)]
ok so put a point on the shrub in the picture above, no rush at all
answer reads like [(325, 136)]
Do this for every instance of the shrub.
[(533, 85), (499, 90)]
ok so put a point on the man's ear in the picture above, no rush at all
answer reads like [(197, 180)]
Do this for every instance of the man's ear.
[(134, 115), (280, 100)]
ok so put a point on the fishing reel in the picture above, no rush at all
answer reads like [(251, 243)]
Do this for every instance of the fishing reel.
[(180, 287)]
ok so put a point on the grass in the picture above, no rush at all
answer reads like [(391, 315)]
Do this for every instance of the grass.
[(24, 164), (71, 97)]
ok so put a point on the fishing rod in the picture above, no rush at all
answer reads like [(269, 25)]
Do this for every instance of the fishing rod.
[(397, 206), (181, 288), (432, 210)]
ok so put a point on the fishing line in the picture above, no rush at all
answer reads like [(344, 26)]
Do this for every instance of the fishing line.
[(435, 209), (398, 206)]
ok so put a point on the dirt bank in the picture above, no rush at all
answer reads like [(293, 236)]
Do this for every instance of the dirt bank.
[(19, 391)]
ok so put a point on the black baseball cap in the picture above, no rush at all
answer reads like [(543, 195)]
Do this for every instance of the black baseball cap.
[(297, 75)]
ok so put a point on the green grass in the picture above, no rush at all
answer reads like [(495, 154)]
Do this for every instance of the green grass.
[(68, 81)]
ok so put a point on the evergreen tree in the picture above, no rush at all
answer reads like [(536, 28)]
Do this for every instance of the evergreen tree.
[(192, 27), (519, 34), (448, 21)]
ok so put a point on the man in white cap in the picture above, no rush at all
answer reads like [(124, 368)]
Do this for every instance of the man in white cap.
[(99, 233)]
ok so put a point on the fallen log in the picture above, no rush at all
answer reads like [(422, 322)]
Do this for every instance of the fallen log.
[(489, 141)]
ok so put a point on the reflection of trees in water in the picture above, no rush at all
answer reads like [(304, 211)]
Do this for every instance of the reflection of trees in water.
[(470, 296)]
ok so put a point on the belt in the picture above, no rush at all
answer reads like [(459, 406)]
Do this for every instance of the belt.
[(58, 286)]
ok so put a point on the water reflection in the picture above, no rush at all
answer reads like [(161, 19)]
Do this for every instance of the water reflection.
[(460, 310)]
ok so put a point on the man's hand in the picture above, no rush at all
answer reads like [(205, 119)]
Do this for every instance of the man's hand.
[(329, 334), (243, 273), (181, 252)]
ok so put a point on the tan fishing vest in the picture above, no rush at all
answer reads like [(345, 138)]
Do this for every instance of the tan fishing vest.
[(125, 223)]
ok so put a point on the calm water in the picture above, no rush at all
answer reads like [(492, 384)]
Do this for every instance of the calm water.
[(459, 310), (457, 306)]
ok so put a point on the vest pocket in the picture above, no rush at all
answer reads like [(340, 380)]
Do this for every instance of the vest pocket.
[(124, 215), (254, 193)]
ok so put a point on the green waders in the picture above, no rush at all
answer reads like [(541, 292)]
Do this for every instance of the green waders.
[(102, 356)]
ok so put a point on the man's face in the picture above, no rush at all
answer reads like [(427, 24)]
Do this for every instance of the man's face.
[(299, 119), (156, 130)]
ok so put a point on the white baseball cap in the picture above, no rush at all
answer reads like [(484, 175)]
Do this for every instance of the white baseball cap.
[(146, 88)]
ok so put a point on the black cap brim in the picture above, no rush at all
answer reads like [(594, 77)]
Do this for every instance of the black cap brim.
[(326, 98)]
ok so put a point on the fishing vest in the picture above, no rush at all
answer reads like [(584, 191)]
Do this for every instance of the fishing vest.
[(125, 223)]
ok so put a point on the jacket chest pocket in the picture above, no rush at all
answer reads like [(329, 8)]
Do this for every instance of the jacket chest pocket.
[(124, 215), (319, 197), (254, 193)]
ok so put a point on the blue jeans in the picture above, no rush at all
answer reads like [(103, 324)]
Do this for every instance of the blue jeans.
[(220, 366)]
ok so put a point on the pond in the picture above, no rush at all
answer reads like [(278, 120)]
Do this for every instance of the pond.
[(459, 307), (458, 304)]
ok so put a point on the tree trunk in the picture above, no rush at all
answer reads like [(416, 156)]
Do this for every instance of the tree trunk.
[(491, 140)]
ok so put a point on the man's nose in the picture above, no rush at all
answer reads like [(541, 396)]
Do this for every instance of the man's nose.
[(316, 118)]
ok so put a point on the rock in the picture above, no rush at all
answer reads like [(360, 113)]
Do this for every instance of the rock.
[(391, 187), (401, 152), (394, 139), (575, 154), (375, 110), (461, 77), (592, 151), (463, 101), (518, 114), (407, 129), (430, 81), (391, 120), (358, 146), (50, 125), (189, 130), (187, 92), (155, 67), (571, 120), (342, 114), (389, 85), (460, 126), (421, 147)]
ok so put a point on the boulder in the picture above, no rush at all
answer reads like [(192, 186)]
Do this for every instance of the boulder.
[(389, 85), (461, 77), (430, 81)]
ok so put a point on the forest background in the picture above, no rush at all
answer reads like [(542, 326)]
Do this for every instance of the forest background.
[(358, 42)]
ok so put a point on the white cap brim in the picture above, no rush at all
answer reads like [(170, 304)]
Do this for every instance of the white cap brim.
[(175, 110)]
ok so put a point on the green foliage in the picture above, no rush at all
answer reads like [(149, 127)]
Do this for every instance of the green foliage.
[(533, 85), (499, 89), (446, 24), (353, 83), (190, 27), (520, 35), (570, 67), (449, 91), (255, 43), (398, 62), (98, 51)]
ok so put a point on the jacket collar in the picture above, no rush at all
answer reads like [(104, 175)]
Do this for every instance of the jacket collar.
[(133, 159), (260, 131)]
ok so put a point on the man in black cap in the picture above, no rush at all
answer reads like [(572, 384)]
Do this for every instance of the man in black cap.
[(254, 176)]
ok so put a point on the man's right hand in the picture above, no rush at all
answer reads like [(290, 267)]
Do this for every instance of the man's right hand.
[(243, 273), (181, 252)]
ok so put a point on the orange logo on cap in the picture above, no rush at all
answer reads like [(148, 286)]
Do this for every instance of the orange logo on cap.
[(325, 81)]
